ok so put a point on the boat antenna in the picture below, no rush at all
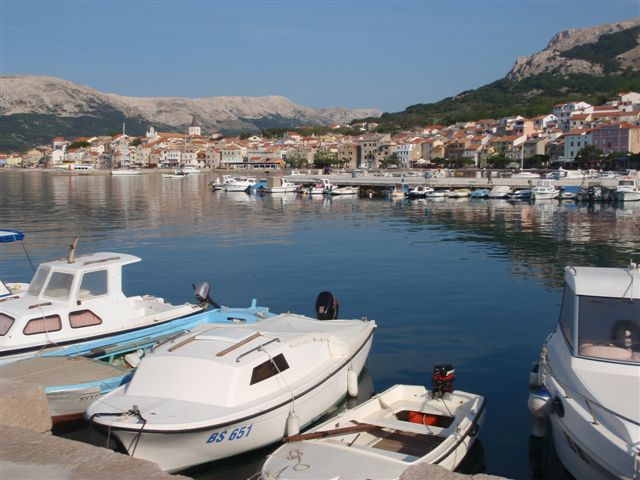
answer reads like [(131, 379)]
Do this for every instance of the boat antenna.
[(72, 250)]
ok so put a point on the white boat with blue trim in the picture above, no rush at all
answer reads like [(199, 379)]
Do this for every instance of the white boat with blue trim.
[(8, 289), (79, 299), (76, 375), (587, 381), (219, 391)]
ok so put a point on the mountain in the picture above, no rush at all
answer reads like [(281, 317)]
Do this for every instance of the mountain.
[(35, 109), (591, 64)]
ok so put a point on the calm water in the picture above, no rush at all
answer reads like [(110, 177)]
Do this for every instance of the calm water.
[(476, 284)]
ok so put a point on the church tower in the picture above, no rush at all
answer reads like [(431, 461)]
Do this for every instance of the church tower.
[(194, 129)]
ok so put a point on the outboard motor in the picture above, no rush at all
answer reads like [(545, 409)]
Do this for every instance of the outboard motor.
[(327, 306), (202, 295), (442, 379)]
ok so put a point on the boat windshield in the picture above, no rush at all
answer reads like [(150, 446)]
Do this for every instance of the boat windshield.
[(35, 287), (609, 328)]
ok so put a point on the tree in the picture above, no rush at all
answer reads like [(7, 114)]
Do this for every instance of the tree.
[(589, 157), (537, 161), (324, 158), (79, 145), (135, 142), (498, 161), (390, 160), (295, 160)]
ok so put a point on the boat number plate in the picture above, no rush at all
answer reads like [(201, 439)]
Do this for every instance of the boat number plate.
[(230, 435)]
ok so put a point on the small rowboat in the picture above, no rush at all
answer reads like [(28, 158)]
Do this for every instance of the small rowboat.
[(382, 437)]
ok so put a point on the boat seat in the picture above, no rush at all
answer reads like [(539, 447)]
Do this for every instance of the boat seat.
[(604, 351)]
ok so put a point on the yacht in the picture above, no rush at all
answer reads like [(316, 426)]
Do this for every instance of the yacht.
[(239, 184), (278, 185), (586, 384), (419, 191)]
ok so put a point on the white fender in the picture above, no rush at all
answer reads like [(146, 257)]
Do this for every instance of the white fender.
[(352, 383)]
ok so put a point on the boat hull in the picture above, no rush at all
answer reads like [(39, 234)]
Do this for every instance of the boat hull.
[(627, 196), (177, 450)]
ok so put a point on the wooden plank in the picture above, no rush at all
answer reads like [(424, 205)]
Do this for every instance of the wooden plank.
[(238, 345), (362, 427)]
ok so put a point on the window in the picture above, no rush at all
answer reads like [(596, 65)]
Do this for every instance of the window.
[(93, 284), (35, 287), (5, 324), (609, 328), (269, 368), (59, 286), (567, 314), (51, 323), (83, 318)]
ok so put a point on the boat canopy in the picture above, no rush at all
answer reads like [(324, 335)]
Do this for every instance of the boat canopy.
[(8, 236)]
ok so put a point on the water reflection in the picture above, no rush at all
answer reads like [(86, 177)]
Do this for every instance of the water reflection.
[(473, 282)]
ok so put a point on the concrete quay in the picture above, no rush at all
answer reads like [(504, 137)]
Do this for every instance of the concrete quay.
[(372, 181), (28, 451)]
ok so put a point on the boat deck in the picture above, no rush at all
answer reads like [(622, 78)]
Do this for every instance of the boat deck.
[(53, 371)]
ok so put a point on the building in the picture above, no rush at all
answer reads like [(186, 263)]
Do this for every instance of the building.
[(574, 141), (624, 137)]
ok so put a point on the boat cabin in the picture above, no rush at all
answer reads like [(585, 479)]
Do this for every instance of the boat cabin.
[(75, 299), (600, 313)]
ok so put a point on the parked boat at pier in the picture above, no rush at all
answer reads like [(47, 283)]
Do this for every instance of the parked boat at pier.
[(8, 289), (231, 389), (77, 299), (239, 184), (627, 190), (499, 191), (381, 438), (587, 381), (545, 190), (75, 376), (346, 190), (278, 185), (125, 172), (419, 191)]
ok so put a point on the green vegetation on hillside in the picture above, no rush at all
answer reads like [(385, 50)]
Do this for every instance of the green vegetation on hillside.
[(605, 50), (25, 130), (528, 97)]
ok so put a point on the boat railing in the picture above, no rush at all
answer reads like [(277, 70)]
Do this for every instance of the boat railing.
[(589, 402), (258, 348)]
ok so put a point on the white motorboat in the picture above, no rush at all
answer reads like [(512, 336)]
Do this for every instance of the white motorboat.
[(419, 191), (78, 168), (279, 185), (177, 173), (218, 392), (75, 300), (520, 194), (320, 186), (525, 174), (458, 193), (545, 190), (346, 190), (381, 438), (239, 184), (499, 191), (121, 172), (437, 194), (587, 382), (190, 170), (627, 190), (219, 185)]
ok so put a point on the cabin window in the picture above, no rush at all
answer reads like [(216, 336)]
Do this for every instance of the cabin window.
[(269, 368), (93, 284), (59, 286), (35, 287), (51, 323), (5, 324), (609, 328), (83, 318), (567, 315)]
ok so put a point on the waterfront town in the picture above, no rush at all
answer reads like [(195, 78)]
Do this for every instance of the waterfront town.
[(575, 133)]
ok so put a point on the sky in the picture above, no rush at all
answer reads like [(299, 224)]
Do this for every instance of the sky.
[(319, 53)]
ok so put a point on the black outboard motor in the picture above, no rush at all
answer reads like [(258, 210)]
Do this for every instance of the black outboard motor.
[(202, 295), (327, 306), (442, 379)]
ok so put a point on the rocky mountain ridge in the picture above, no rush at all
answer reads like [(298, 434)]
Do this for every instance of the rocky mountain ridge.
[(557, 58), (40, 95)]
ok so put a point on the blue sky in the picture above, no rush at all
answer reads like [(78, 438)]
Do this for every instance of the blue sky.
[(321, 53)]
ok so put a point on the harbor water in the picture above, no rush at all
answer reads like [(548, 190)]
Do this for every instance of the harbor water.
[(472, 283)]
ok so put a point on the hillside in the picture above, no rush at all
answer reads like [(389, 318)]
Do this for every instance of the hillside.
[(35, 109), (591, 64)]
